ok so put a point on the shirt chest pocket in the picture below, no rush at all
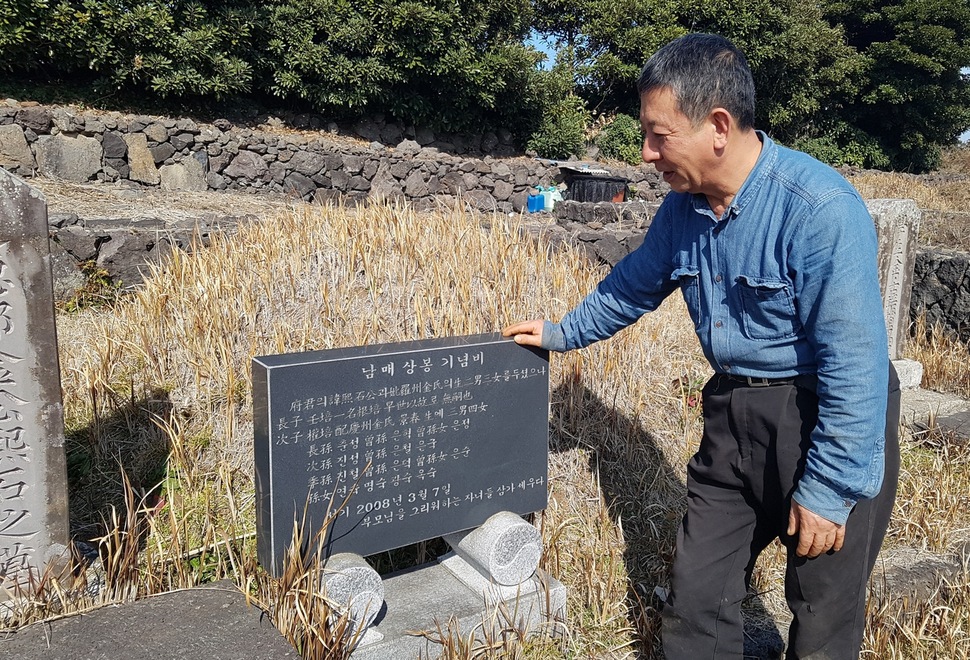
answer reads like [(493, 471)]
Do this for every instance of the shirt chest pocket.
[(767, 308)]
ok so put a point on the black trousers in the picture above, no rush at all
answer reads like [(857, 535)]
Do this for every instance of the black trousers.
[(739, 488)]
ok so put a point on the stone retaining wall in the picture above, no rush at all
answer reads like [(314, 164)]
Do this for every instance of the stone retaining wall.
[(81, 146), (122, 248), (941, 289), (425, 169)]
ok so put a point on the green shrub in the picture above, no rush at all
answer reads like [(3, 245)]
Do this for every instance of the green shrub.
[(845, 145), (452, 65), (173, 49), (561, 133), (622, 140), (99, 289)]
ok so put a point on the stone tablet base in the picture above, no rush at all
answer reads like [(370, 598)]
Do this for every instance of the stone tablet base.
[(427, 597)]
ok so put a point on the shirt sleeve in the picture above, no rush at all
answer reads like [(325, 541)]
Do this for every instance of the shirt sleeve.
[(834, 259), (636, 285)]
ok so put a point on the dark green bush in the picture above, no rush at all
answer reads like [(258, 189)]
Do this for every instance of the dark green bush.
[(561, 133), (844, 145), (621, 140), (173, 49), (454, 65), (460, 66)]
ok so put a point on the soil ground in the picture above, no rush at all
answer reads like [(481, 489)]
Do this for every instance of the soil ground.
[(120, 201)]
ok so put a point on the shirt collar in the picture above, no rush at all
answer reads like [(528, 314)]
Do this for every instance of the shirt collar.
[(751, 185)]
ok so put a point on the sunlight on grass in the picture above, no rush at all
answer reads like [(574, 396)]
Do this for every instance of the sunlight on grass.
[(945, 359), (944, 198), (160, 386)]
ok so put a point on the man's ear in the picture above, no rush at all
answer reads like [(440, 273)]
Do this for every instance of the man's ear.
[(722, 124)]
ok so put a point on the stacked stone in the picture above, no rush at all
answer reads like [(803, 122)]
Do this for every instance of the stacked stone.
[(941, 290), (314, 166), (426, 169), (606, 231)]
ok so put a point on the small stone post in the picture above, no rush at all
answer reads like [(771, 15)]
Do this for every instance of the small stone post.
[(505, 550), (33, 478), (352, 585)]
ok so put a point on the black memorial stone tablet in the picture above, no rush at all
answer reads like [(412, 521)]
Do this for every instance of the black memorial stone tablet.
[(387, 445)]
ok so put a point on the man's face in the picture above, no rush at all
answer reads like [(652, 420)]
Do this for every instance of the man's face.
[(680, 152)]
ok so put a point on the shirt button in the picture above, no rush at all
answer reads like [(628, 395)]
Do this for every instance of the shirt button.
[(726, 367), (718, 324), (718, 278)]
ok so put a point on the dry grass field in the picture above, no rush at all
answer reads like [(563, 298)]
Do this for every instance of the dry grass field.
[(158, 403)]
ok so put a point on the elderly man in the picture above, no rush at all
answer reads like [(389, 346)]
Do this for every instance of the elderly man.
[(775, 255)]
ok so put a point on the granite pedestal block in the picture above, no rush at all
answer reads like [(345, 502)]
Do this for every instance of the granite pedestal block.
[(910, 373), (350, 583), (505, 549), (452, 594)]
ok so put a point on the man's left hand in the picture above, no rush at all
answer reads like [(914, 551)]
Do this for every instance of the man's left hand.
[(816, 535)]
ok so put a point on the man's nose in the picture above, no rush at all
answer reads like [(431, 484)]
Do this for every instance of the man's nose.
[(648, 153)]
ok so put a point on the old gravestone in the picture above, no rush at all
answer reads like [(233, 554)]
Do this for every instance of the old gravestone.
[(897, 224), (33, 481), (388, 445)]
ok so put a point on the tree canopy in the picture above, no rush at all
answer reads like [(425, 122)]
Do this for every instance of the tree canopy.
[(912, 96), (874, 83)]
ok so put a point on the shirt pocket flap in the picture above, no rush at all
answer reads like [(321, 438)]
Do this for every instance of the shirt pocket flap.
[(766, 286), (684, 271), (687, 278)]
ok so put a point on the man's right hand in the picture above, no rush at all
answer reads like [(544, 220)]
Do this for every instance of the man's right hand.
[(527, 333)]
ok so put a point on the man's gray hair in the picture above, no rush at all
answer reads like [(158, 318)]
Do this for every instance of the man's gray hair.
[(704, 71)]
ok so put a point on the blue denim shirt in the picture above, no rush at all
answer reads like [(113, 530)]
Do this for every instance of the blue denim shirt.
[(784, 283)]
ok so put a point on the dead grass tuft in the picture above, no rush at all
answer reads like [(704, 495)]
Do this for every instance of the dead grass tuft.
[(945, 359), (956, 159), (895, 185), (935, 627), (945, 196)]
